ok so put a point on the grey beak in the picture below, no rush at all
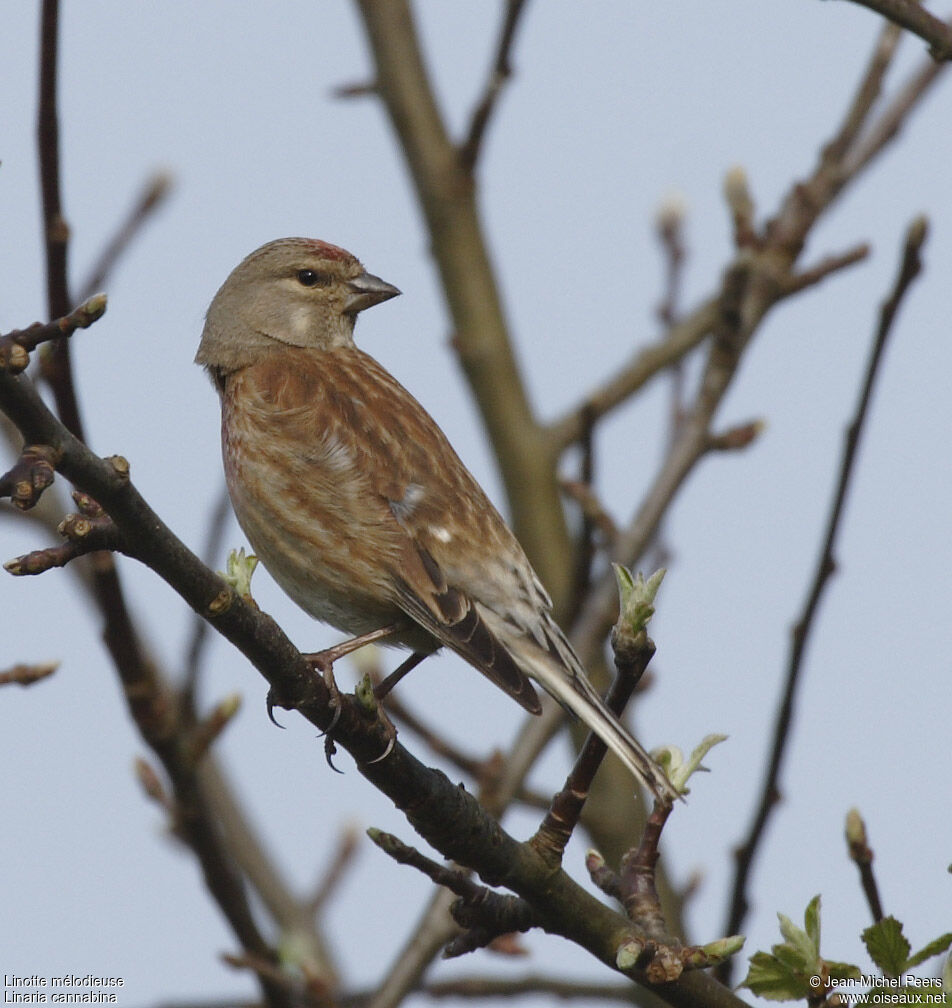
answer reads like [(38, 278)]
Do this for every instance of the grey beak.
[(367, 290)]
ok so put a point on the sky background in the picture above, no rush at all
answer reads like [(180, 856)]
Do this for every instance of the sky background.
[(615, 107)]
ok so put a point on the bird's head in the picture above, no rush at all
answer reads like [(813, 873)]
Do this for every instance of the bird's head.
[(298, 292)]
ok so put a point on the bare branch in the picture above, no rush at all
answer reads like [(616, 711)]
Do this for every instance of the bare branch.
[(866, 94), (499, 74), (862, 857), (334, 873), (831, 264), (507, 988), (445, 815), (195, 650), (16, 346), (27, 675), (153, 195), (913, 16), (648, 362), (909, 268), (890, 121), (29, 477), (736, 438), (564, 813), (481, 336), (107, 481)]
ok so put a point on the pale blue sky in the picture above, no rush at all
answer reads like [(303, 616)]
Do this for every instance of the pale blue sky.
[(615, 105)]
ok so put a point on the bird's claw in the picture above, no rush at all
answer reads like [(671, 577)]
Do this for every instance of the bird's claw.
[(391, 742), (330, 749), (271, 704), (325, 664)]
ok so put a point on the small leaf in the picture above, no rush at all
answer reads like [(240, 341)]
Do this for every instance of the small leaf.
[(635, 599), (239, 570), (887, 946), (799, 939), (768, 978), (934, 948), (841, 971), (678, 769), (811, 920)]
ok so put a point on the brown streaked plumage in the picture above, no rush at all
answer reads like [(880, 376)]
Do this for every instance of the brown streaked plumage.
[(355, 501)]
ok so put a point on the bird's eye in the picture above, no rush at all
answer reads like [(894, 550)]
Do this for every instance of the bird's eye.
[(309, 278)]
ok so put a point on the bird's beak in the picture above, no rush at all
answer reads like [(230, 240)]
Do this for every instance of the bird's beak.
[(366, 291)]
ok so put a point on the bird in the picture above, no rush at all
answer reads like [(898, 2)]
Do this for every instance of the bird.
[(354, 500)]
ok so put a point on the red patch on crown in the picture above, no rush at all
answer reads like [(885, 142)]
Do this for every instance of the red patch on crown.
[(327, 251)]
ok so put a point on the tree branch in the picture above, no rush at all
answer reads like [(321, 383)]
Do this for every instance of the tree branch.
[(443, 814), (500, 73), (447, 196), (910, 267), (911, 15)]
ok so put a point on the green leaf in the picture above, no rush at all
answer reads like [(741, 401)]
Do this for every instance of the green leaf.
[(934, 948), (887, 946), (808, 949), (811, 920), (768, 978), (794, 969), (842, 971), (793, 958), (635, 599), (239, 570)]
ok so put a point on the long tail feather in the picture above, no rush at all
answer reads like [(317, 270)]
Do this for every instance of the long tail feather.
[(574, 691)]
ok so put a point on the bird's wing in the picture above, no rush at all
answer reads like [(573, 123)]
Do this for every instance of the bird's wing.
[(455, 621)]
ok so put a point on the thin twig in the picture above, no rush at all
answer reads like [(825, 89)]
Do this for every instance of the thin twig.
[(195, 650), (343, 858), (511, 987), (891, 120), (670, 232), (913, 16), (501, 72), (584, 553), (637, 887), (16, 346), (631, 377), (866, 93), (151, 197), (27, 674), (145, 690), (813, 275), (564, 813), (910, 266), (862, 856), (55, 364)]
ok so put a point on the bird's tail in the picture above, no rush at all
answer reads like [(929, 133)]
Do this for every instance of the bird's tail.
[(573, 690)]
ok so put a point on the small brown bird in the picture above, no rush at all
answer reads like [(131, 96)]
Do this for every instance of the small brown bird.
[(355, 501)]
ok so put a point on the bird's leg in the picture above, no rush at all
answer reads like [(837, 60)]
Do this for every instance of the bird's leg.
[(384, 687), (327, 657), (324, 661)]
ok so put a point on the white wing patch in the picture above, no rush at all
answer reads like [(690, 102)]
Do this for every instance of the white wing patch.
[(335, 454), (403, 508)]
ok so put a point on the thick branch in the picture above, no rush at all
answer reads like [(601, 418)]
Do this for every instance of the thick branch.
[(445, 815), (447, 196)]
